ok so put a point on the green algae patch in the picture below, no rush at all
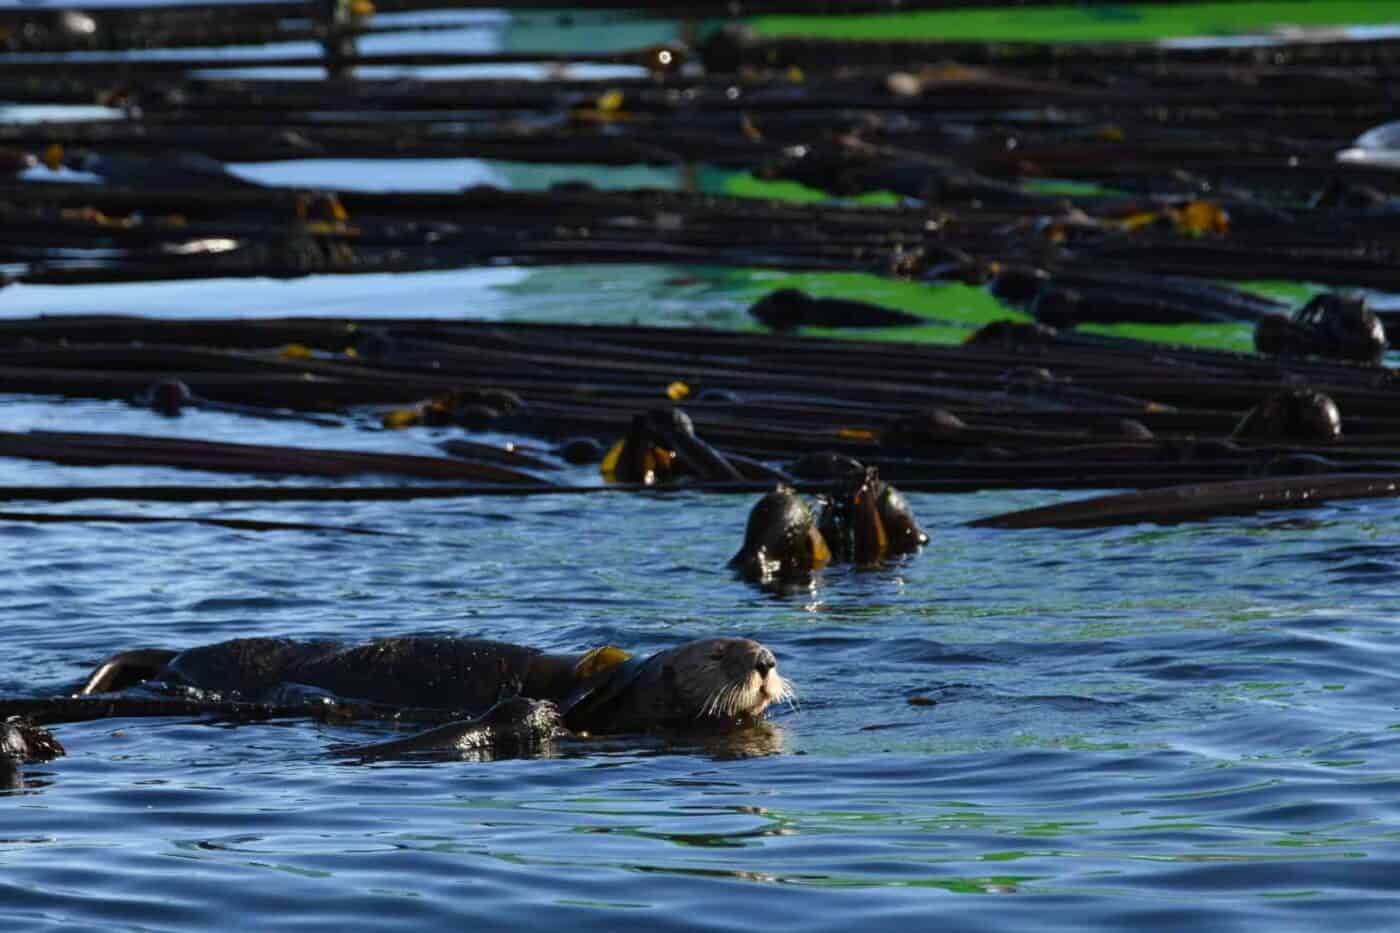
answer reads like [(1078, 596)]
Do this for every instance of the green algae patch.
[(745, 185), (1116, 22), (1238, 337)]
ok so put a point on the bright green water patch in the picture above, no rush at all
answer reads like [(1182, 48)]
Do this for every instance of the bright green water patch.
[(963, 307), (1085, 23), (744, 185), (1295, 292), (1239, 337), (955, 310), (719, 296)]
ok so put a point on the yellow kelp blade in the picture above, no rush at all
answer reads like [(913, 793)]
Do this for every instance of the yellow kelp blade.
[(609, 465), (599, 661)]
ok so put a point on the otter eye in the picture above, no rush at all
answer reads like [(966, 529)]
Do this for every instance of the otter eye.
[(717, 655)]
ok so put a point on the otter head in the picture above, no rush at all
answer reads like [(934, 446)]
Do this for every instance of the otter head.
[(712, 683), (647, 453), (1298, 415), (169, 397), (865, 520), (781, 541), (20, 741)]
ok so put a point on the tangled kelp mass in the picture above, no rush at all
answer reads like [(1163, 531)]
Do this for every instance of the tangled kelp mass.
[(1076, 183), (1056, 410), (1206, 164)]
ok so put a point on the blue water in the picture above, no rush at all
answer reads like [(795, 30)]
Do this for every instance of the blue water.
[(1146, 726), (1192, 727)]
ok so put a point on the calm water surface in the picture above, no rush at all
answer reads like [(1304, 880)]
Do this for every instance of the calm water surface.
[(1155, 728)]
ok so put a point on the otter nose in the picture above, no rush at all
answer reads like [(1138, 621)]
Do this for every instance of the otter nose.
[(765, 662)]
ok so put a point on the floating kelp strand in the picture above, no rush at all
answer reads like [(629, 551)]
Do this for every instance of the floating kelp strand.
[(1195, 502), (306, 256), (471, 450), (235, 524), (724, 358), (96, 449), (559, 227), (55, 710), (291, 493)]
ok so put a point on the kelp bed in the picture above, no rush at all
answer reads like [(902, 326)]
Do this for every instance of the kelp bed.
[(1076, 182)]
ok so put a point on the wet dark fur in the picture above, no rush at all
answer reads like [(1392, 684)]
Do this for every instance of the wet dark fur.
[(446, 673)]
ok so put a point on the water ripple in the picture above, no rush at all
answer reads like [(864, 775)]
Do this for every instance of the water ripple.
[(1033, 729)]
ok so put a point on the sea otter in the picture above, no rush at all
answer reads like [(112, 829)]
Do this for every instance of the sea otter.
[(781, 541), (20, 742), (712, 683), (864, 520)]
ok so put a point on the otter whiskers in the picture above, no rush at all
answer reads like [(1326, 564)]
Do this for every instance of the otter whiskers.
[(781, 690), (750, 696)]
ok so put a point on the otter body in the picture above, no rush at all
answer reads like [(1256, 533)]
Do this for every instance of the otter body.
[(712, 682), (445, 673)]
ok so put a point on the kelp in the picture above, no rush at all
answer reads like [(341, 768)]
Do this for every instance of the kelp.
[(1078, 183), (731, 409), (46, 711), (1200, 501)]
